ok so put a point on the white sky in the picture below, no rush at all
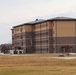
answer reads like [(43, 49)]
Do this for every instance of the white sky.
[(14, 12)]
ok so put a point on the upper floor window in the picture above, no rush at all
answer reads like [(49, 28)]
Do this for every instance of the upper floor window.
[(21, 36), (44, 25), (17, 29), (21, 29), (22, 43), (37, 26)]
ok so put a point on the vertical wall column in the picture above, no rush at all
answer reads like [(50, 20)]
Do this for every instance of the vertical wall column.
[(29, 39), (47, 37), (75, 36), (40, 40), (56, 35), (50, 37)]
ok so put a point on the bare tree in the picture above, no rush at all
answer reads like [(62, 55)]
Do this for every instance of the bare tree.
[(5, 48)]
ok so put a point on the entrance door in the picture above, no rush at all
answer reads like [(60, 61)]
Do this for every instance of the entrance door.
[(15, 52), (65, 49), (20, 52)]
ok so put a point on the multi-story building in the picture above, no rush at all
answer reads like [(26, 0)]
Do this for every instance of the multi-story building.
[(46, 36)]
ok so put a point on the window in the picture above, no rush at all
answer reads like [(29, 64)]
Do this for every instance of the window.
[(22, 43), (21, 29), (44, 31), (21, 36), (37, 26), (16, 36), (53, 32), (17, 29), (44, 25)]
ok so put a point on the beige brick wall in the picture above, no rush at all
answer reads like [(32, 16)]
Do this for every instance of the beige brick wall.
[(24, 28), (64, 28), (28, 28)]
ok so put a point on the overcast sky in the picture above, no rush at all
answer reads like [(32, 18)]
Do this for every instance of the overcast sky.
[(14, 12)]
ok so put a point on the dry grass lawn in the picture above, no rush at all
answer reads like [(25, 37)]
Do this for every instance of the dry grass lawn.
[(36, 65)]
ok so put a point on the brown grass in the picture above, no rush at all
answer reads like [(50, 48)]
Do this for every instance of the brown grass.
[(36, 65)]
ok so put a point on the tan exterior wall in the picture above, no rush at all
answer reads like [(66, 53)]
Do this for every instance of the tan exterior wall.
[(42, 26), (37, 28), (64, 28), (64, 33), (25, 28), (28, 28), (50, 25), (17, 30)]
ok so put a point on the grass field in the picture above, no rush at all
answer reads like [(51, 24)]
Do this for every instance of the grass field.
[(36, 65)]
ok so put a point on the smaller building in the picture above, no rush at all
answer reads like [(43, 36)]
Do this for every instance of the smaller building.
[(5, 48)]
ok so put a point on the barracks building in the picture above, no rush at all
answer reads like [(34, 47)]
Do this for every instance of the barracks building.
[(53, 35)]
